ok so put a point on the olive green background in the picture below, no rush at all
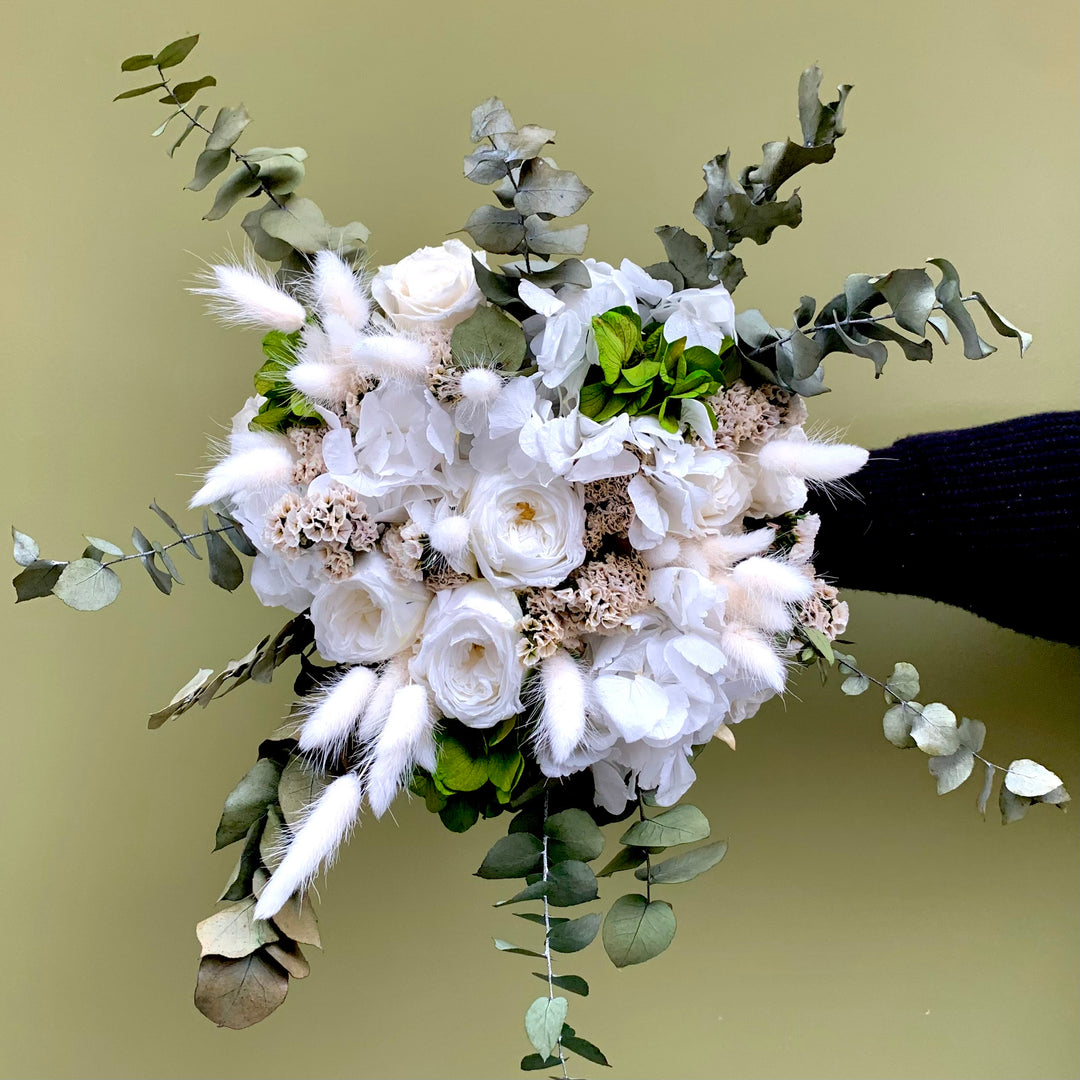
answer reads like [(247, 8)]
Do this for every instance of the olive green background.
[(860, 926)]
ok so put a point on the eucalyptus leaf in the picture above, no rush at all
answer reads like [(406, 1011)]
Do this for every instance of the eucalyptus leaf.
[(902, 684), (911, 295), (569, 883), (681, 824), (208, 165), (147, 556), (234, 931), (296, 920), (139, 91), (247, 802), (950, 298), (183, 92), (951, 770), (534, 1062), (576, 834), (574, 935), (37, 580), (1029, 779), (491, 118), (104, 546), (683, 867), (289, 955), (544, 1022), (934, 730), (299, 787), (239, 184), (176, 52), (26, 548), (636, 929), (582, 1047), (897, 725), (168, 519), (228, 125), (512, 856), (687, 253), (547, 239), (488, 336), (191, 125), (239, 993), (240, 883), (226, 570), (542, 189), (138, 62), (573, 983), (626, 859), (507, 947), (855, 684), (495, 229), (160, 129), (86, 585), (1002, 325), (987, 788)]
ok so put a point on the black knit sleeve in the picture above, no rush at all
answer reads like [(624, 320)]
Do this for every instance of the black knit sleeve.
[(985, 518)]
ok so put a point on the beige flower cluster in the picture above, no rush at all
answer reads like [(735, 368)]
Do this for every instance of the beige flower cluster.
[(749, 414)]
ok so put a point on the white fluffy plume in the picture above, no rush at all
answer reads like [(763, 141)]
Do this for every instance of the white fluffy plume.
[(328, 384), (564, 705), (773, 578), (336, 290), (725, 550), (393, 356), (245, 297), (326, 824), (335, 713), (755, 657), (394, 676), (808, 459), (406, 739), (449, 536), (255, 459)]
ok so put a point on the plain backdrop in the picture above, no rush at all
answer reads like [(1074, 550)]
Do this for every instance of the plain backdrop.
[(860, 925)]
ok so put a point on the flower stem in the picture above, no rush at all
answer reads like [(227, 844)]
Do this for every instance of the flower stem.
[(547, 932)]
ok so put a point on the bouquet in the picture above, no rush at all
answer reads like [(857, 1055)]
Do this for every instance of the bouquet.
[(540, 524)]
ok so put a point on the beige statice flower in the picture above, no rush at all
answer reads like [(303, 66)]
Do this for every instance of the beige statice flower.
[(307, 441), (824, 611), (752, 414), (401, 545)]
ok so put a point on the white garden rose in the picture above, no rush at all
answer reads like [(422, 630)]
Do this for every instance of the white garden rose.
[(431, 289), (369, 617), (469, 657), (526, 532)]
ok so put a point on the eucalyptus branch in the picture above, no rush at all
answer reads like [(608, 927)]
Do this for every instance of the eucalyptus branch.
[(185, 540), (547, 933), (648, 857), (239, 158)]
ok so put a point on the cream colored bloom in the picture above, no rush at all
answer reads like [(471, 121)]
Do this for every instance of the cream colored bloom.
[(433, 288)]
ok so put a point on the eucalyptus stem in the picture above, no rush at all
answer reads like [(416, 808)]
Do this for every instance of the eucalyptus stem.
[(547, 933), (185, 539), (648, 857), (237, 156)]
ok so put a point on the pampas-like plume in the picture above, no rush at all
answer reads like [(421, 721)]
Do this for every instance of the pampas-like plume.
[(255, 459), (480, 386), (406, 739), (811, 460), (329, 384), (394, 676), (335, 712), (725, 550), (336, 290), (755, 657), (449, 536), (757, 610), (393, 356), (326, 823), (773, 578), (243, 296), (564, 706)]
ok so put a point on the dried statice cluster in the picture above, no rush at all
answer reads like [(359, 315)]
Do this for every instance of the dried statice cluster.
[(460, 534)]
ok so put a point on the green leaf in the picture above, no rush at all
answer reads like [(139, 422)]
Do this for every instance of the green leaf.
[(680, 825), (536, 891), (228, 125), (209, 164), (687, 253), (239, 993), (104, 546), (139, 91), (569, 883), (496, 230), (37, 580), (188, 129), (543, 1023), (544, 190), (512, 856), (147, 555), (240, 883), (457, 770), (176, 52), (951, 770), (290, 957), (226, 570), (160, 129), (507, 947), (683, 867), (902, 684), (534, 1062), (485, 166), (274, 839), (168, 519), (183, 92), (302, 225), (239, 184), (459, 814), (86, 585), (540, 919), (296, 920), (26, 548), (618, 338), (934, 730), (636, 930), (247, 802), (576, 836), (234, 932), (280, 173), (575, 984), (1012, 806), (489, 336), (626, 859), (987, 788), (819, 641), (911, 295), (491, 118), (582, 1047), (137, 62), (572, 936), (546, 239), (166, 561)]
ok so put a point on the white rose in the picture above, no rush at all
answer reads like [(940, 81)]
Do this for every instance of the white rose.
[(526, 533), (433, 288), (370, 617), (723, 490), (468, 658)]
